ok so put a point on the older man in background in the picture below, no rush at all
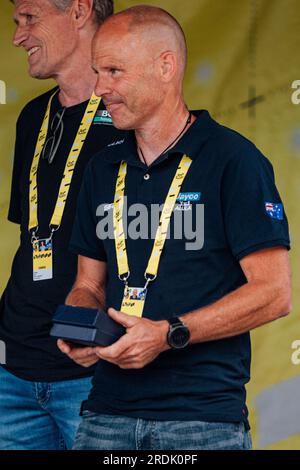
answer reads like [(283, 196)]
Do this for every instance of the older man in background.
[(40, 389)]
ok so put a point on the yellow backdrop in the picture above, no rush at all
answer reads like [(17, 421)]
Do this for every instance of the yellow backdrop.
[(243, 61)]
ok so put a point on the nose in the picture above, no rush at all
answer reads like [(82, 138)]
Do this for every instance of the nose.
[(20, 35), (102, 86)]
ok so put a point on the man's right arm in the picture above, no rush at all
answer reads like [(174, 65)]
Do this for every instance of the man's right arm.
[(89, 288), (88, 291)]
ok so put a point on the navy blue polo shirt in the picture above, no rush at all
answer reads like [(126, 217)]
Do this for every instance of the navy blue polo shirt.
[(243, 213)]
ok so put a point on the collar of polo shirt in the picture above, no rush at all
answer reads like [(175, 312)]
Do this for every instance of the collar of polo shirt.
[(203, 127)]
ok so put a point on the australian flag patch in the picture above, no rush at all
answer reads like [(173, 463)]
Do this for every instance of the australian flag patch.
[(275, 211)]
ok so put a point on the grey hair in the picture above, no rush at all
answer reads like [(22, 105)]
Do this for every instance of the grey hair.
[(102, 8)]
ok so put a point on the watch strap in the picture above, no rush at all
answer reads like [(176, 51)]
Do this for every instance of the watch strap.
[(175, 321)]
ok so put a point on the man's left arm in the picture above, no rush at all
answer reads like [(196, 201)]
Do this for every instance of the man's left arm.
[(264, 298)]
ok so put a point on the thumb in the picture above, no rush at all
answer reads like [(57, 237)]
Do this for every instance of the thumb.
[(63, 346), (126, 320)]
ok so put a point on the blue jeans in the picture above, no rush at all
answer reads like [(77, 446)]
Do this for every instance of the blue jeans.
[(105, 432), (39, 416)]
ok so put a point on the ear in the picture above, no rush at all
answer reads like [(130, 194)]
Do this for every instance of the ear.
[(168, 65), (82, 11)]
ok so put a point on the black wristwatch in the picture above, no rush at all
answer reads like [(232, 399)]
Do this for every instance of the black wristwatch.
[(178, 335)]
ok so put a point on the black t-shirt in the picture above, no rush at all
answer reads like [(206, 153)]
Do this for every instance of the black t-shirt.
[(27, 307), (243, 213)]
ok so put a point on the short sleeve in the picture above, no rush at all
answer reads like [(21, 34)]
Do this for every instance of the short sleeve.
[(14, 211), (84, 240), (254, 215)]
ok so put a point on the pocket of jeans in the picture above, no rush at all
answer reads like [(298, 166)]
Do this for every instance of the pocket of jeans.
[(200, 435), (89, 414)]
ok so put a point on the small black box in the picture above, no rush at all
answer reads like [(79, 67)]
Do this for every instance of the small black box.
[(86, 326)]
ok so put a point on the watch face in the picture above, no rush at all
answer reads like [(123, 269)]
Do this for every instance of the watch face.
[(179, 337)]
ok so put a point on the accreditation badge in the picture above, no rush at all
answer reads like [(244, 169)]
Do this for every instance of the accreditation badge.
[(42, 259), (134, 301)]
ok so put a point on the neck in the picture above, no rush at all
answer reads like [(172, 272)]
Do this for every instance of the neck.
[(71, 94), (162, 133), (75, 86)]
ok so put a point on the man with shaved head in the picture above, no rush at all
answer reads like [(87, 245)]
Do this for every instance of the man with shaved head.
[(176, 378)]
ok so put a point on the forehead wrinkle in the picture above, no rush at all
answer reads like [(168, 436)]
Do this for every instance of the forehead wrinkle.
[(19, 5), (122, 48), (21, 10), (111, 60)]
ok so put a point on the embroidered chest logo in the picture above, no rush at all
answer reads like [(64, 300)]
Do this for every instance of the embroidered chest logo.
[(103, 117), (185, 201)]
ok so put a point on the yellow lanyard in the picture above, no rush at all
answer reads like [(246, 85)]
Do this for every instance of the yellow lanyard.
[(162, 230), (69, 168)]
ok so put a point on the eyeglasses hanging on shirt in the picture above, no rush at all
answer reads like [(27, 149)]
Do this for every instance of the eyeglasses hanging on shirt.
[(43, 248), (55, 135)]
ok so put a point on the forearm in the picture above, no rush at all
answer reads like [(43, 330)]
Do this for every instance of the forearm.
[(249, 307), (86, 296)]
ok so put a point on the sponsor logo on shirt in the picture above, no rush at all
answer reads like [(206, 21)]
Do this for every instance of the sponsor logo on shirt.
[(118, 142), (185, 200), (103, 117), (275, 211), (191, 197)]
